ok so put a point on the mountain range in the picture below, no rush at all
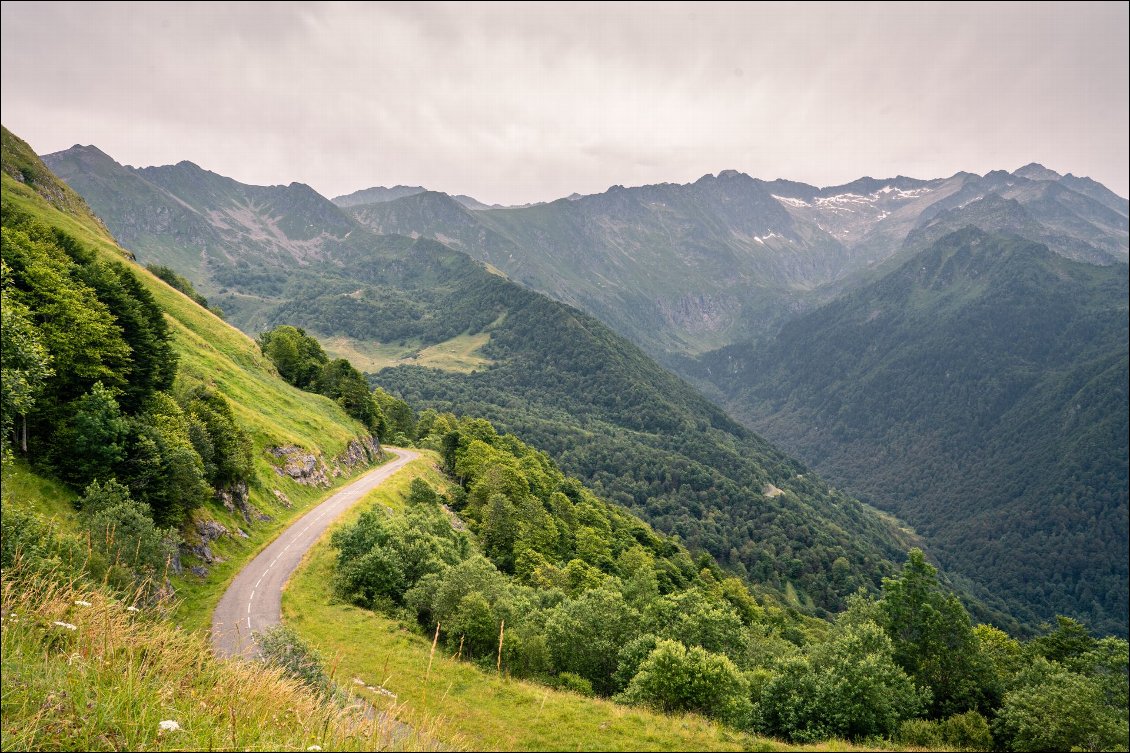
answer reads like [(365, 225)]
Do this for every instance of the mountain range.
[(971, 382)]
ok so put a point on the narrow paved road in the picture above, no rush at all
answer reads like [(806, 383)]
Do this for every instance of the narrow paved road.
[(253, 601)]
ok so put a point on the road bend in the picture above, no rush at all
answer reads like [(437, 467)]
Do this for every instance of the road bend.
[(253, 601)]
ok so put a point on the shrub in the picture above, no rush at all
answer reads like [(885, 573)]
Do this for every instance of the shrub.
[(573, 683), (674, 678), (281, 647)]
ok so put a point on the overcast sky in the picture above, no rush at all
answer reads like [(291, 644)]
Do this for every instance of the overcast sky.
[(518, 103)]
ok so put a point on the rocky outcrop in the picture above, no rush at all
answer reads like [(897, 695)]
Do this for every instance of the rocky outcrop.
[(358, 453), (307, 468), (301, 466), (206, 531), (235, 499)]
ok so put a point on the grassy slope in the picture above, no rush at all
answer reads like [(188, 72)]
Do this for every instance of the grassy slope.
[(107, 684), (463, 705), (212, 352)]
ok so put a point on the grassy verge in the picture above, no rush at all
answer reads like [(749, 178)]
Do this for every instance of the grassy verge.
[(463, 705), (82, 672)]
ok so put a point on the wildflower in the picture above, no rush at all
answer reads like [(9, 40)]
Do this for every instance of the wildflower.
[(314, 747), (65, 625), (81, 603), (132, 609), (169, 726)]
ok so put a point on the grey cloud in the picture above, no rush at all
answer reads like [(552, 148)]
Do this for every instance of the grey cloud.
[(515, 103)]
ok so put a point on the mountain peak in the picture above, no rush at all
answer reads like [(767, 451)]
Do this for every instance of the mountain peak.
[(1036, 171)]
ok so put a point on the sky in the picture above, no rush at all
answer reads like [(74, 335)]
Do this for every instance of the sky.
[(517, 103)]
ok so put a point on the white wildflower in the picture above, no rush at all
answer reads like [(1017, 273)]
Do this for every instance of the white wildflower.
[(314, 747), (132, 609), (81, 603), (65, 625), (169, 726)]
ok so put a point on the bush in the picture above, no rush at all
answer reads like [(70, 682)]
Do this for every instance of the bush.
[(968, 731), (848, 687), (573, 683), (919, 733), (281, 647), (674, 678), (1060, 711)]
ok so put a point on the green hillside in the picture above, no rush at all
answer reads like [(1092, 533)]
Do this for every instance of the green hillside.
[(209, 355), (979, 392)]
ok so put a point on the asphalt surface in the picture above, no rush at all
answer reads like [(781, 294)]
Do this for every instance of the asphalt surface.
[(253, 601)]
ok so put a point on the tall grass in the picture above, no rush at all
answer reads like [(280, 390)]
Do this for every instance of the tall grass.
[(82, 671)]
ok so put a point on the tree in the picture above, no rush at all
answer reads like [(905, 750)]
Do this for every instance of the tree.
[(345, 384), (25, 364), (585, 635), (847, 687), (297, 356), (674, 678), (1060, 711), (933, 638), (91, 441)]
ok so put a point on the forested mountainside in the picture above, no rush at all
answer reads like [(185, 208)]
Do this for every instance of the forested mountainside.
[(550, 373), (979, 391), (620, 254)]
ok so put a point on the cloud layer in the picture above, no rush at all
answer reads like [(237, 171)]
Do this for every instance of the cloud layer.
[(517, 103)]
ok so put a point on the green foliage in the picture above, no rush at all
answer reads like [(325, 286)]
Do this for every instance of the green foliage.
[(848, 687), (382, 558), (298, 357), (968, 731), (25, 362), (223, 445), (341, 382), (573, 683), (124, 532), (281, 647), (92, 439), (933, 639), (1060, 710), (585, 635), (674, 678), (301, 361), (169, 275)]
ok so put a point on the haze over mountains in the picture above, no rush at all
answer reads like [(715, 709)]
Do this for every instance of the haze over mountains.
[(970, 381)]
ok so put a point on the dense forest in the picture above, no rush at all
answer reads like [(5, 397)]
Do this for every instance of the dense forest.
[(979, 392)]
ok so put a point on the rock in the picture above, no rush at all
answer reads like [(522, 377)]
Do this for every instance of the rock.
[(199, 570), (175, 563), (210, 530), (235, 498), (306, 468), (241, 533), (285, 500), (302, 466)]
